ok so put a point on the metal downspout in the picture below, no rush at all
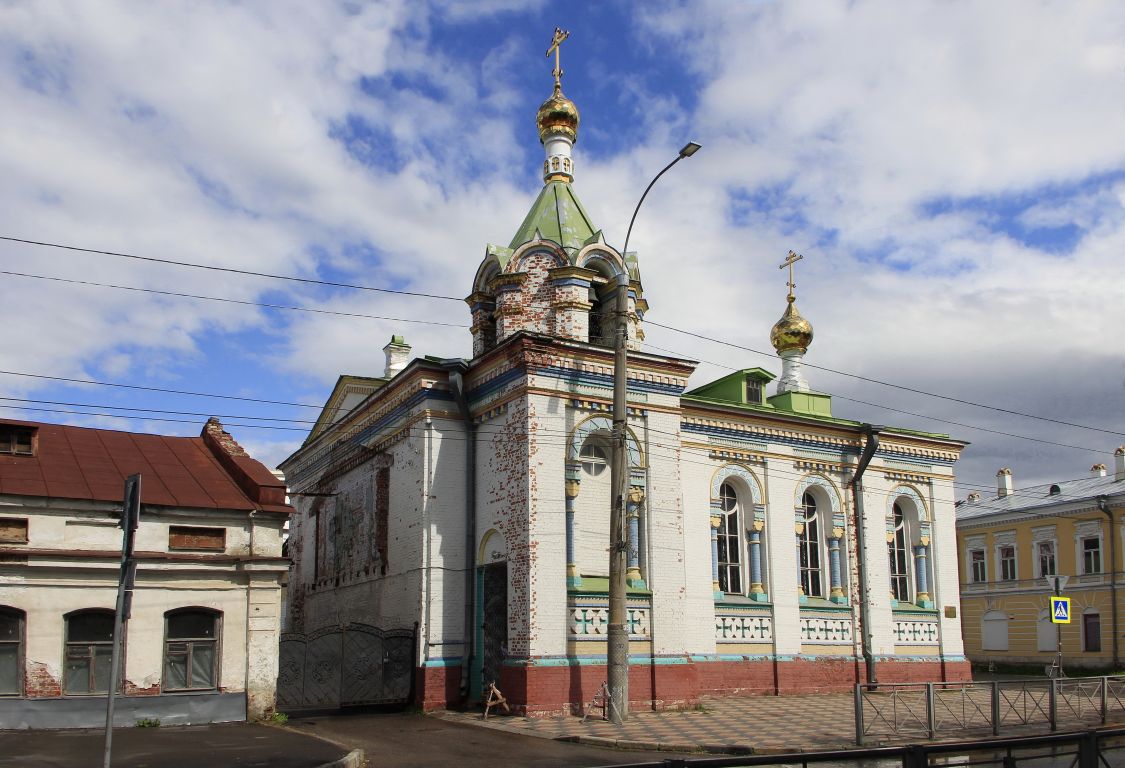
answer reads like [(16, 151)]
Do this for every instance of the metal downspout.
[(1104, 507), (872, 445), (457, 386)]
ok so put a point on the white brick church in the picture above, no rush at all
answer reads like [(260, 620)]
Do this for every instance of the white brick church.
[(471, 498)]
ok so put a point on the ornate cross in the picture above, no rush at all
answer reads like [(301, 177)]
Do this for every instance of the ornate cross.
[(560, 35), (790, 260)]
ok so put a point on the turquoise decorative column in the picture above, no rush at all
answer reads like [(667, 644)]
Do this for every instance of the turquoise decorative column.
[(757, 590), (716, 521), (836, 594), (633, 516), (572, 486), (923, 587)]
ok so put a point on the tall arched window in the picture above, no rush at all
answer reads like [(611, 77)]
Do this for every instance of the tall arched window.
[(11, 652), (812, 576), (899, 548), (730, 567), (191, 658), (89, 650)]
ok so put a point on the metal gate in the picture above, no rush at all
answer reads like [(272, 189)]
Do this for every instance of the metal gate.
[(345, 666)]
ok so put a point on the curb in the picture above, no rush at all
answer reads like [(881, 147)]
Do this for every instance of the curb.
[(658, 746), (353, 759)]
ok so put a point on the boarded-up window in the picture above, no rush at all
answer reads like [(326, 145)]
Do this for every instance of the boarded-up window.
[(190, 537), (13, 530), (994, 631), (382, 515)]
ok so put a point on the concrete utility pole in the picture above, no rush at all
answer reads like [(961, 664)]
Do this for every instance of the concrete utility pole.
[(617, 652)]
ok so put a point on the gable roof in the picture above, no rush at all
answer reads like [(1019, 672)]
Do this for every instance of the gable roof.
[(211, 471), (1038, 498)]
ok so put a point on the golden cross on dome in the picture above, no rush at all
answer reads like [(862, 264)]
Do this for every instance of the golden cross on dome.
[(560, 35), (790, 260)]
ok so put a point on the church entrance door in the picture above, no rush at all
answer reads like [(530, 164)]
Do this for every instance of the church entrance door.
[(495, 622)]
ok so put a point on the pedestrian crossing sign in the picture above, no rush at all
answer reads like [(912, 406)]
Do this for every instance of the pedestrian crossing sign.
[(1060, 610)]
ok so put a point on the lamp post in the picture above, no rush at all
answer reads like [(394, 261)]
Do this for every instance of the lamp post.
[(617, 656)]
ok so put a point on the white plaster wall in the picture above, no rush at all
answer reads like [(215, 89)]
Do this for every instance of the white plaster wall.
[(699, 600), (781, 553), (548, 623), (943, 550), (445, 518)]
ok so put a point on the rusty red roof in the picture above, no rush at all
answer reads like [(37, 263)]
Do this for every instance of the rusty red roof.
[(210, 471)]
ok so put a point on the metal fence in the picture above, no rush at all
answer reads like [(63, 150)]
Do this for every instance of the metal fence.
[(1082, 749), (931, 710)]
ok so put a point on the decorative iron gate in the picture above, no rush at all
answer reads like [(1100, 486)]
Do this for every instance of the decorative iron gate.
[(345, 666)]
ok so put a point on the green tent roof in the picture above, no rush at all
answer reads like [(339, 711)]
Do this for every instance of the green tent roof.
[(557, 215)]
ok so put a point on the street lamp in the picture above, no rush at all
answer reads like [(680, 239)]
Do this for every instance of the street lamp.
[(617, 655)]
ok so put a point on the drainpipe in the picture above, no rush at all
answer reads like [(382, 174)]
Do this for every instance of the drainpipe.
[(1104, 507), (456, 370), (872, 445)]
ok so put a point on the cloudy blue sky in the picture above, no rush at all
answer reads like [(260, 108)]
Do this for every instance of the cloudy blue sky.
[(954, 174)]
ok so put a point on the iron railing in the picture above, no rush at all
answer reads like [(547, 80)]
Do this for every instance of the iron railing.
[(1082, 749), (931, 710)]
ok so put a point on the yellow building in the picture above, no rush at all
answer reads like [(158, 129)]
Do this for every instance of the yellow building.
[(1014, 546)]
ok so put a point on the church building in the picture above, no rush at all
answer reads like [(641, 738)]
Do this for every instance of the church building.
[(470, 498)]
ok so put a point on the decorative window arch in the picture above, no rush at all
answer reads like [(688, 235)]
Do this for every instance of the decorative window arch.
[(908, 541), (819, 524), (11, 651), (89, 651), (604, 425), (191, 649), (736, 506)]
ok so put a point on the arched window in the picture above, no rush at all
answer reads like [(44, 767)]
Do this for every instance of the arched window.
[(594, 457), (11, 652), (89, 650), (600, 327), (812, 576), (191, 657), (730, 568), (899, 548)]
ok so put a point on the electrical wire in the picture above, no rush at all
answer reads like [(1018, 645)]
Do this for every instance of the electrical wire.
[(229, 270), (653, 323), (229, 301)]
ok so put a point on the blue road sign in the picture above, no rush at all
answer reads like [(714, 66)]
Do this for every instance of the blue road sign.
[(1060, 610)]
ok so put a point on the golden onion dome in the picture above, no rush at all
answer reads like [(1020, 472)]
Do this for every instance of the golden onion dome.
[(792, 331), (557, 116)]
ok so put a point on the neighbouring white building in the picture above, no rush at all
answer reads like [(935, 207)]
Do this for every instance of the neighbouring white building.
[(201, 645), (471, 497)]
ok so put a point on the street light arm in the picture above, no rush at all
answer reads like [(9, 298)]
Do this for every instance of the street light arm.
[(640, 202)]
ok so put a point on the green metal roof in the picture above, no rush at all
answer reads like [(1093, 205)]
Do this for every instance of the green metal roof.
[(557, 215)]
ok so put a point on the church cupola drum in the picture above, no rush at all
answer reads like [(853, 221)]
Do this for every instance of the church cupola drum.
[(556, 276)]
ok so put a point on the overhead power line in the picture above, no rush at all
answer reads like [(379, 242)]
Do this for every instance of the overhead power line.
[(693, 334), (159, 389), (231, 270), (228, 301)]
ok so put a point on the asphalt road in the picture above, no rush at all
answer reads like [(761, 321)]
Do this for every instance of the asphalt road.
[(241, 745), (408, 740)]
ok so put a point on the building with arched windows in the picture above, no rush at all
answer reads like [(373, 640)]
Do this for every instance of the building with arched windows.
[(471, 498)]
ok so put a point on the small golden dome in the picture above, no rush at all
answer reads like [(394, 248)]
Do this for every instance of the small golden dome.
[(792, 331), (557, 116)]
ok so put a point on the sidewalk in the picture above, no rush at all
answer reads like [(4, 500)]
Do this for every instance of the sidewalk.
[(732, 725)]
